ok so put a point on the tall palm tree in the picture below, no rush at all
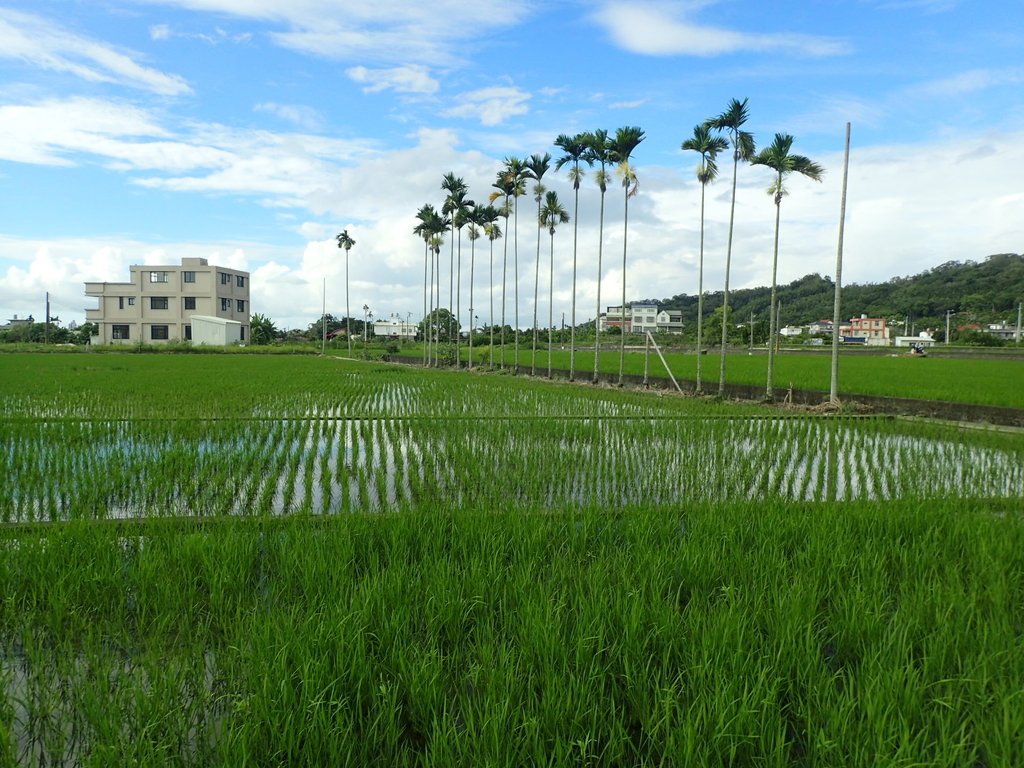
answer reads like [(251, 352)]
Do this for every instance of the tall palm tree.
[(456, 205), (576, 151), (516, 170), (436, 241), (473, 232), (422, 230), (626, 140), (708, 147), (346, 242), (504, 186), (598, 152), (779, 159), (731, 122), (489, 219), (536, 167), (550, 216)]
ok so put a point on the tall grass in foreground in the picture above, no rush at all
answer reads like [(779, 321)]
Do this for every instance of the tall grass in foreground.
[(739, 634)]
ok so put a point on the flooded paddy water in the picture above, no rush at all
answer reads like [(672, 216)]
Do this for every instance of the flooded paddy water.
[(328, 463)]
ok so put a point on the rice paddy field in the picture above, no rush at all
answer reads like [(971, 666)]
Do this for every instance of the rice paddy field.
[(234, 560)]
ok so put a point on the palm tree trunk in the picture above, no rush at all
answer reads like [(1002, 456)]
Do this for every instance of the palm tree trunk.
[(597, 317), (425, 347), (472, 264), (430, 328), (700, 291), (728, 264), (769, 392), (458, 300), (625, 234), (504, 280), (451, 280), (536, 286), (572, 325), (348, 313), (490, 314), (551, 300), (515, 289)]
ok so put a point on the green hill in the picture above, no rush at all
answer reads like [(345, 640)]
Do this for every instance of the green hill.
[(985, 291)]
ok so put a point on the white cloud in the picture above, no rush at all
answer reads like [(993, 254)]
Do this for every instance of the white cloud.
[(971, 81), (381, 31), (491, 106), (658, 28), (42, 44), (206, 158), (411, 79), (305, 117), (159, 32)]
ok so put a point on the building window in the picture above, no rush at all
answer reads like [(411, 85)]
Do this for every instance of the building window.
[(240, 305), (225, 278), (158, 302), (225, 305), (158, 332), (158, 277), (239, 281), (120, 302), (131, 301), (241, 333), (188, 333), (188, 277), (190, 302), (119, 331)]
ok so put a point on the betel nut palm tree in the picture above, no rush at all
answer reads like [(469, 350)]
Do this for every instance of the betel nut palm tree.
[(345, 241), (489, 220), (731, 123), (778, 157), (575, 151), (550, 216), (597, 152), (708, 146), (516, 170), (455, 205), (536, 167), (504, 185), (621, 148), (473, 216)]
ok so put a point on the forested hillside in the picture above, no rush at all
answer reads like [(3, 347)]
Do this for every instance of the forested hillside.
[(978, 292)]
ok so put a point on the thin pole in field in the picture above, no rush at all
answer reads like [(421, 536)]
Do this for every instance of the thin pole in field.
[(833, 394), (1017, 335), (323, 320)]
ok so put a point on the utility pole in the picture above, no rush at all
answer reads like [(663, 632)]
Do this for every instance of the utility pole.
[(834, 387), (1017, 335), (751, 329), (948, 312), (46, 331)]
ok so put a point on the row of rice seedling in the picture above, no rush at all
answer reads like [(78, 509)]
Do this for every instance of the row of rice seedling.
[(55, 470), (769, 633)]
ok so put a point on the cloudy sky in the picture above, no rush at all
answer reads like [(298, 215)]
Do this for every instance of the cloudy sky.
[(250, 132)]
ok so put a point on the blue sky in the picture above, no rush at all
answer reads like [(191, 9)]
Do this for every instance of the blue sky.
[(250, 132)]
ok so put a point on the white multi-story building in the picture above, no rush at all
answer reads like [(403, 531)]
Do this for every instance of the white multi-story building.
[(640, 318), (158, 302)]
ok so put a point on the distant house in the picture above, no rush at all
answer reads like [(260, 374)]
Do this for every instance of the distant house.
[(644, 317), (821, 326), (17, 322), (871, 331), (790, 331), (669, 321), (1002, 330), (613, 318), (395, 328)]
